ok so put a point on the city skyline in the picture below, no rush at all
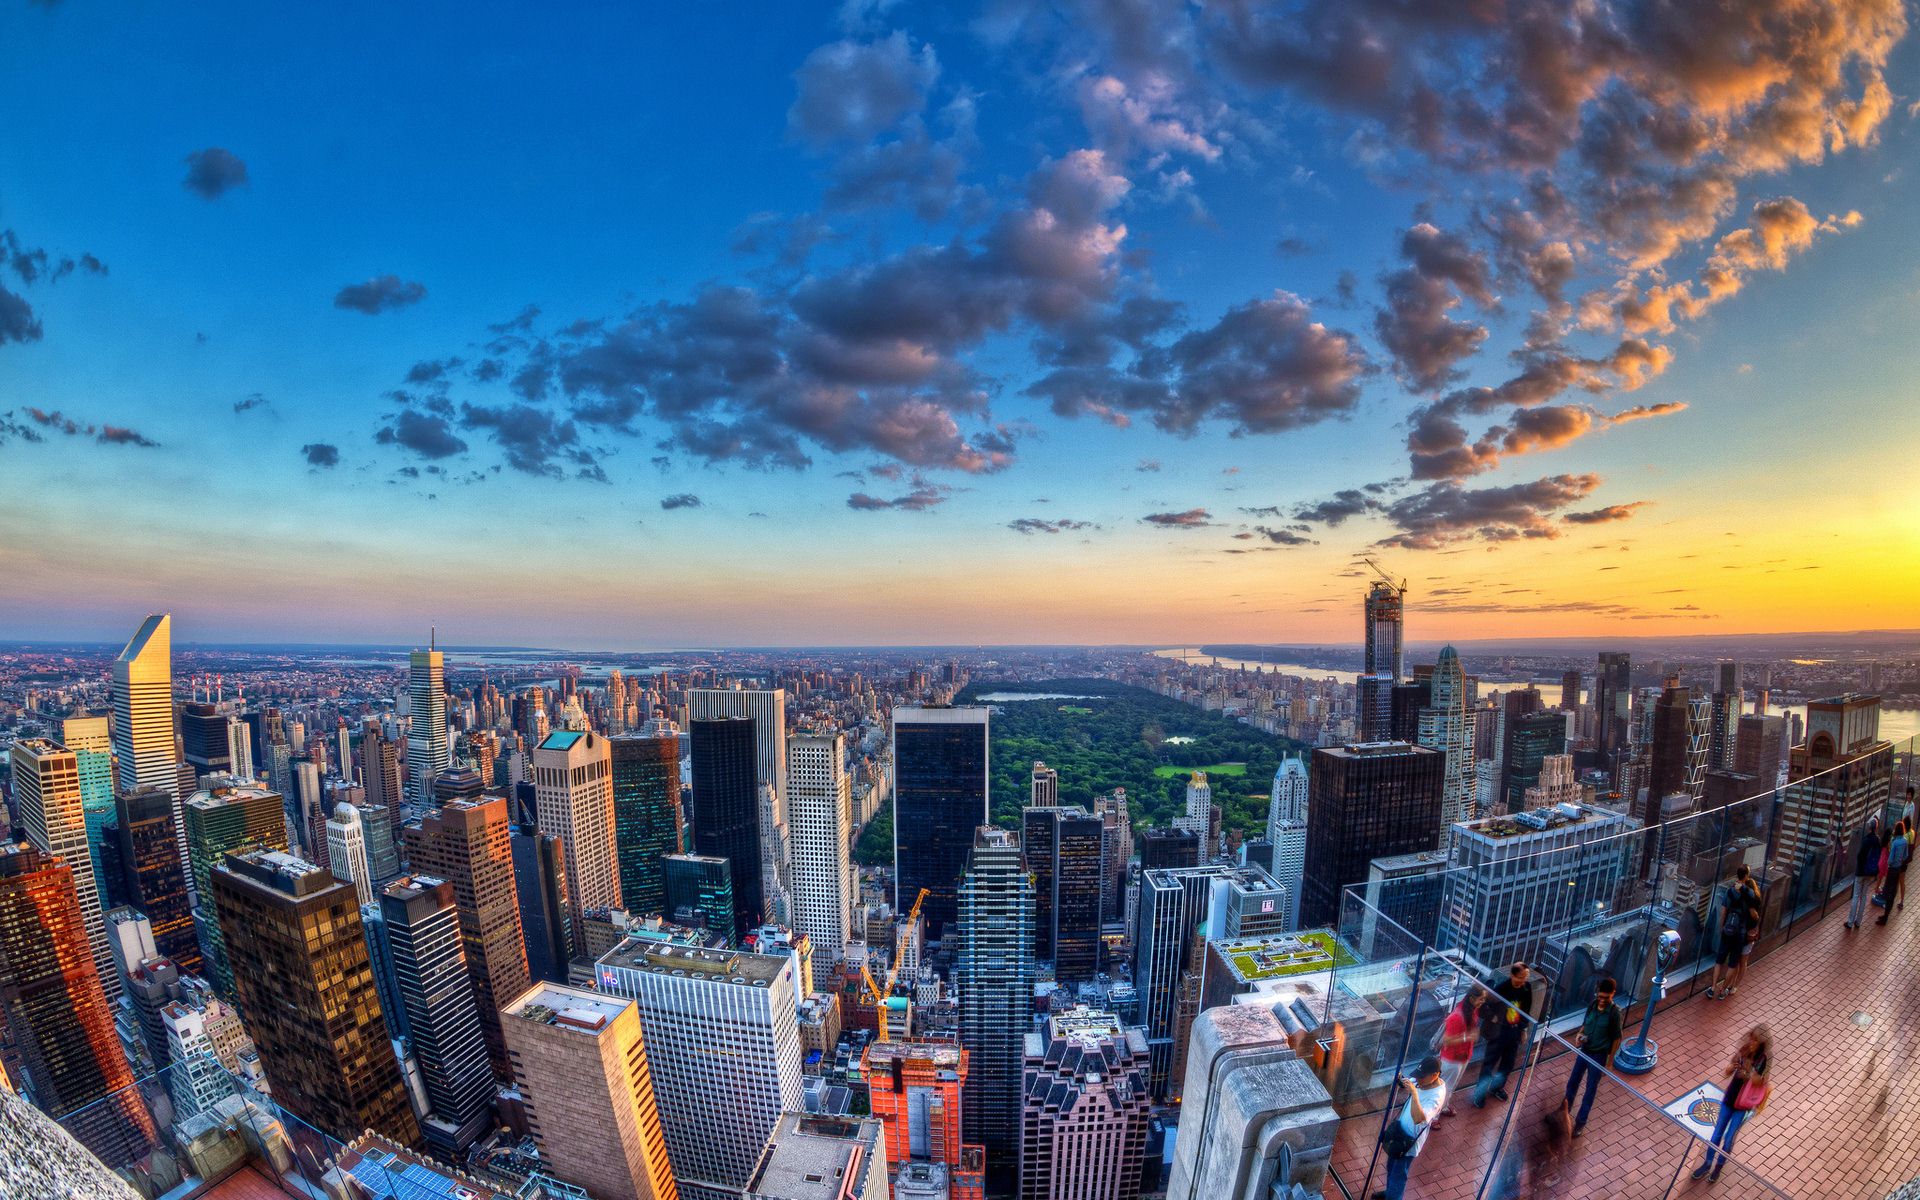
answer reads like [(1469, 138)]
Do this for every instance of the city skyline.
[(1198, 305)]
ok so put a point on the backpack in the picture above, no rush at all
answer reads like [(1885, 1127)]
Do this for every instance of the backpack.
[(1733, 922)]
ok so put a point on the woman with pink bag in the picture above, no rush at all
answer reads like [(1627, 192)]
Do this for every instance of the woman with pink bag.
[(1746, 1093)]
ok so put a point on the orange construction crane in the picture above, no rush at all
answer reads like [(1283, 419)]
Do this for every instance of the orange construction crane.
[(883, 994)]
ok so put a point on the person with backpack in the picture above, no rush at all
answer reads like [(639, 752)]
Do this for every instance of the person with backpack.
[(1899, 850), (1746, 1092), (1599, 1036), (1502, 1029), (1866, 869), (1756, 908), (1406, 1133), (1737, 913)]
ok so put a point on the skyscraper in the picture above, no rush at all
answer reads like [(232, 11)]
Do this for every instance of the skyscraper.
[(726, 810), (723, 1041), (142, 691), (422, 934), (1287, 830), (347, 851), (1760, 748), (699, 888), (428, 750), (821, 1158), (57, 1015), (1531, 739), (940, 799), (1570, 690), (1063, 850), (154, 881), (1086, 1109), (468, 844), (767, 707), (1841, 775), (91, 740), (225, 815), (1046, 785), (1447, 726), (1678, 752), (1612, 703), (380, 783), (646, 816), (305, 989), (820, 824), (46, 792), (203, 738), (1385, 620), (994, 974), (573, 791), (1369, 801), (1523, 878), (540, 882), (580, 1061), (915, 1090)]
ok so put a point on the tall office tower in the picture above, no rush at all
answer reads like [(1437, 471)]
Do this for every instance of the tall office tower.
[(142, 689), (1612, 703), (580, 1061), (540, 883), (646, 816), (821, 1158), (458, 783), (148, 985), (1230, 901), (443, 1019), (1062, 845), (726, 810), (1046, 785), (1723, 728), (46, 795), (468, 843), (820, 823), (1287, 829), (724, 1042), (1407, 702), (1556, 784), (1678, 749), (1086, 1110), (1369, 801), (310, 812), (940, 799), (1760, 747), (994, 975), (1523, 878), (915, 1089), (347, 852), (239, 748), (91, 740), (1532, 738), (1116, 850), (1841, 775), (1385, 620), (768, 709), (305, 988), (223, 816), (1373, 707), (380, 781), (776, 884), (573, 790), (1446, 725), (429, 752), (699, 891), (203, 739), (59, 1019), (154, 881), (195, 1079), (1514, 705), (1198, 817), (1163, 847), (1570, 690)]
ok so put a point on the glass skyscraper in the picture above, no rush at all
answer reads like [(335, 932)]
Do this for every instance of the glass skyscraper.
[(646, 816), (939, 801), (726, 810), (994, 975)]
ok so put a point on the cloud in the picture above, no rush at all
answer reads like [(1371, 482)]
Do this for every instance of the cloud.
[(1284, 537), (321, 454), (680, 500), (382, 293), (55, 421), (427, 434), (213, 172), (1415, 325), (1602, 516), (1444, 513), (249, 403), (33, 265), (1642, 412), (118, 435), (849, 91), (923, 497), (1148, 464), (1032, 525), (1343, 505), (1192, 518)]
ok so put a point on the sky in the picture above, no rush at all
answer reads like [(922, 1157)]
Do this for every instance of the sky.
[(886, 322)]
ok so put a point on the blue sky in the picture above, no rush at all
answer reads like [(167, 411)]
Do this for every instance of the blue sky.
[(1233, 188)]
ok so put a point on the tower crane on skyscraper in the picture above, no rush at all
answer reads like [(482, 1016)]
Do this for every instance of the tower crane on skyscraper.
[(1398, 585)]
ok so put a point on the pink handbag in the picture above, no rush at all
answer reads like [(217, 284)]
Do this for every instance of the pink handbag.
[(1753, 1093)]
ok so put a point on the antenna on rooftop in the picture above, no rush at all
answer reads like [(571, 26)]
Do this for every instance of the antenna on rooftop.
[(433, 634)]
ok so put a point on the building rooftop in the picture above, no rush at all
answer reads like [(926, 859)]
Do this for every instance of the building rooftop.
[(567, 1008), (218, 789), (1278, 955), (943, 1055), (1417, 863), (561, 739), (1374, 749), (391, 1172), (809, 1157), (279, 870), (1537, 820), (720, 966)]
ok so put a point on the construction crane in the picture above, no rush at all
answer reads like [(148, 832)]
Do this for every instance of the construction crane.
[(883, 994), (1398, 585)]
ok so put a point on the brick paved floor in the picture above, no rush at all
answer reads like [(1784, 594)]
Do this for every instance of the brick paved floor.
[(1844, 1121)]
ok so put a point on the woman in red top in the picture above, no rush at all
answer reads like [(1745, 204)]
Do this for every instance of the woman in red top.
[(1457, 1037)]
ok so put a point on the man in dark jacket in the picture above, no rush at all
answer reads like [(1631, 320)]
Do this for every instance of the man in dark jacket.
[(1502, 1030), (1866, 868)]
